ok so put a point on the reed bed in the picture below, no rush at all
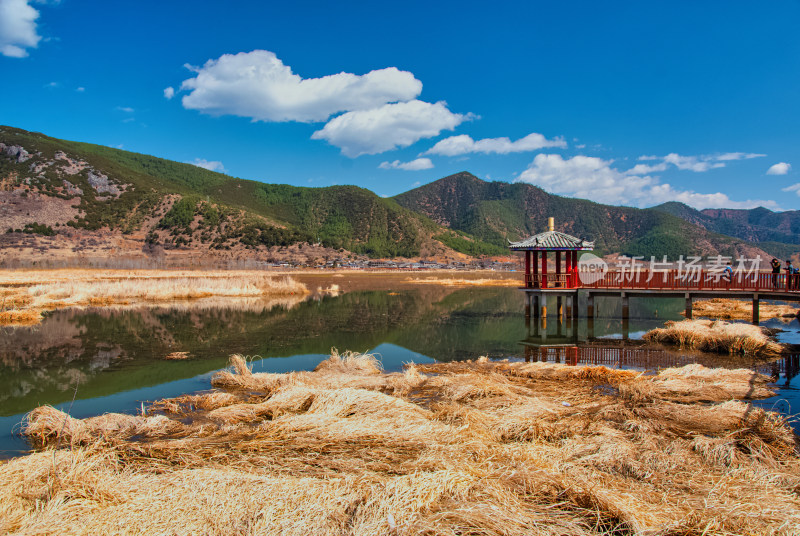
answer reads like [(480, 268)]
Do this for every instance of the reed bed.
[(24, 296), (730, 309), (476, 447), (718, 336), (463, 282)]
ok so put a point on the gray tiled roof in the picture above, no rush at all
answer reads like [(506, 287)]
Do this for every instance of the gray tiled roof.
[(551, 240)]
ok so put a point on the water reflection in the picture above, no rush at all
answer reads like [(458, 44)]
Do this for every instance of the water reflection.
[(115, 357)]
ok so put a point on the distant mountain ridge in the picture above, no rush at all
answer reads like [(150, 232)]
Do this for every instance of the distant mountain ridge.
[(756, 225), (61, 199), (496, 211)]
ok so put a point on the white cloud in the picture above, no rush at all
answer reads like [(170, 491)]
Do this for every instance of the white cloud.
[(781, 168), (793, 188), (738, 156), (698, 164), (169, 92), (414, 165), (17, 28), (463, 144), (594, 178), (644, 169), (213, 165), (388, 127), (126, 109), (258, 85), (692, 163), (80, 89)]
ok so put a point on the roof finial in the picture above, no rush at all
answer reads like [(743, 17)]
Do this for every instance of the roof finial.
[(551, 226)]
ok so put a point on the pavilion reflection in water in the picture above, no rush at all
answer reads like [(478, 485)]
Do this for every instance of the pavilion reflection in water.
[(558, 340)]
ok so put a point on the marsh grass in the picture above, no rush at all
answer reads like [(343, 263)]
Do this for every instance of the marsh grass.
[(30, 293), (717, 336), (731, 309), (463, 282), (474, 447)]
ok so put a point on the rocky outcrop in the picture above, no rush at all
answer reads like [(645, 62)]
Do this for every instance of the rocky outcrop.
[(103, 185), (16, 152)]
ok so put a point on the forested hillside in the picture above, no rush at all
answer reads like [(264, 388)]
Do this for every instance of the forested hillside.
[(60, 198)]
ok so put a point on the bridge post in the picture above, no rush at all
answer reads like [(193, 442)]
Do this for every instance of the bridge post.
[(755, 308), (625, 316), (688, 312), (528, 299), (535, 305), (590, 305), (543, 303), (560, 307)]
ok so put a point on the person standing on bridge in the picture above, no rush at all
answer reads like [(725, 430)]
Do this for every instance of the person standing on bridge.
[(776, 271), (789, 275), (727, 274)]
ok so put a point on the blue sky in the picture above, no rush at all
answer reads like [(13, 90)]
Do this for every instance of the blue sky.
[(632, 103)]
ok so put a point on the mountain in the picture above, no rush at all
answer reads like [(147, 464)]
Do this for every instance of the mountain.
[(496, 211), (61, 200), (779, 231)]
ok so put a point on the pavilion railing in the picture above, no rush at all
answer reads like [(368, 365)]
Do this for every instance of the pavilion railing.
[(551, 280), (697, 280)]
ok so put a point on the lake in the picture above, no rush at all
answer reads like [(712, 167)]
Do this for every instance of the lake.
[(114, 360)]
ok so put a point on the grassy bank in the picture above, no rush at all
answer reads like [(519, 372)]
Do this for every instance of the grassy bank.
[(451, 448), (24, 295), (730, 309), (717, 336)]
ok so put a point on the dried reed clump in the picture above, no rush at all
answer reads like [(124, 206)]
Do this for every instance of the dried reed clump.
[(33, 292), (475, 447), (717, 336), (176, 356), (696, 383), (47, 425), (20, 317), (730, 309), (462, 282)]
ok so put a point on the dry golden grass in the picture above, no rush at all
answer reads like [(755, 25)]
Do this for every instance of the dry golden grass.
[(460, 282), (480, 447), (717, 336), (31, 292), (730, 309), (20, 317), (176, 356)]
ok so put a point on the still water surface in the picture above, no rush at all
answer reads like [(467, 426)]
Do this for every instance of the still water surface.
[(114, 360)]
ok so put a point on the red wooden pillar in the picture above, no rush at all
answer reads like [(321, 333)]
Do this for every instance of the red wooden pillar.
[(535, 269), (569, 269), (558, 267), (544, 269), (575, 273), (527, 282)]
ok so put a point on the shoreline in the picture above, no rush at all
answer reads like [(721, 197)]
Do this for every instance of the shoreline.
[(26, 294)]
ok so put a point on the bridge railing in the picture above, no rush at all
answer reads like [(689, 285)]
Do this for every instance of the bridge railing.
[(696, 280), (552, 280)]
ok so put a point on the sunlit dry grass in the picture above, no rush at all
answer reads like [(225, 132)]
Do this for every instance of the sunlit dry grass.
[(731, 309), (717, 336), (477, 447), (30, 293), (462, 282)]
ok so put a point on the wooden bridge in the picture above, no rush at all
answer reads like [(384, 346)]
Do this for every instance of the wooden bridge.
[(689, 281)]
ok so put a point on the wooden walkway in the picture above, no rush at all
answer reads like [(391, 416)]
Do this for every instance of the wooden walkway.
[(688, 285)]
